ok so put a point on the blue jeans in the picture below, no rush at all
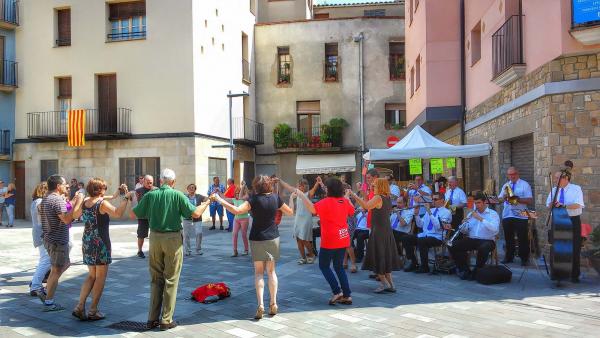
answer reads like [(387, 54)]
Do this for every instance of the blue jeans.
[(10, 210), (230, 218), (337, 256)]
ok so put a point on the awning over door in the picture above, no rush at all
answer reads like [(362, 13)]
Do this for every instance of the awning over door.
[(325, 164)]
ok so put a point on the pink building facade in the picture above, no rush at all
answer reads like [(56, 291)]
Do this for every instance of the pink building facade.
[(525, 77)]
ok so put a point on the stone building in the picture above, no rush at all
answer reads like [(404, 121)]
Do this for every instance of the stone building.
[(308, 73)]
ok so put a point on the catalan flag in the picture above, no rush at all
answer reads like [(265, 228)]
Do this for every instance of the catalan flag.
[(76, 134)]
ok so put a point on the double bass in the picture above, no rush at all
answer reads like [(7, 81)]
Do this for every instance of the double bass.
[(560, 237)]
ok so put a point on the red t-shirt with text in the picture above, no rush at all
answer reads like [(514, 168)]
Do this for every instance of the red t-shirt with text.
[(333, 213), (370, 213)]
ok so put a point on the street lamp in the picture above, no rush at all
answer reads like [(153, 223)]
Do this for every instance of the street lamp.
[(230, 145)]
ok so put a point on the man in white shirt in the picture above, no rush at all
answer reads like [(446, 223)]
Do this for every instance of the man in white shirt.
[(512, 219), (402, 225), (394, 190), (433, 223), (361, 234), (570, 196), (458, 200), (416, 192), (482, 228)]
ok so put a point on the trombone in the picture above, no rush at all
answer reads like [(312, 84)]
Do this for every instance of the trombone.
[(462, 228)]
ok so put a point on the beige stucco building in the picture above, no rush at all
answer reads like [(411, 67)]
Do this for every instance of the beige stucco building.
[(153, 77), (308, 72)]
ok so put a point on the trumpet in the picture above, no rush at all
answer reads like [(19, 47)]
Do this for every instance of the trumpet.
[(462, 228), (510, 195)]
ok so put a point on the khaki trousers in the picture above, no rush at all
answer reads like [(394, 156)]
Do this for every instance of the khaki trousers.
[(166, 258)]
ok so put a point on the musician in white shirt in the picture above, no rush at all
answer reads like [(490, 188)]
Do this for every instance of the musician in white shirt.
[(570, 196), (401, 222), (512, 218), (416, 192), (434, 222), (361, 234), (482, 227), (458, 200)]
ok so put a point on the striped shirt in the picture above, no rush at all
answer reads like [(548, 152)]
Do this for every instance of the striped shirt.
[(55, 231)]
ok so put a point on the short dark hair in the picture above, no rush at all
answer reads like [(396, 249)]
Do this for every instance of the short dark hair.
[(54, 181), (262, 185), (373, 172), (335, 187), (192, 185), (95, 186), (480, 197)]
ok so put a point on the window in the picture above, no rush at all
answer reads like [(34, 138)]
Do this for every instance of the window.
[(63, 27), (331, 62), (418, 73), (48, 168), (396, 61), (284, 65), (308, 119), (217, 167), (245, 62), (131, 168), (412, 81), (476, 43), (395, 116), (63, 103), (321, 15), (374, 12), (127, 21)]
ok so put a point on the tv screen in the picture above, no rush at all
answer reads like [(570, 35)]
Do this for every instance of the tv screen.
[(586, 12)]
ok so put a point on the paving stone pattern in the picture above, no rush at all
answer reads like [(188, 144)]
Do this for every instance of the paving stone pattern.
[(424, 306)]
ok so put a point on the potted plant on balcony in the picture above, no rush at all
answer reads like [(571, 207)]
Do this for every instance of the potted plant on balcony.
[(282, 135), (326, 136), (397, 126), (592, 249), (300, 140), (337, 126)]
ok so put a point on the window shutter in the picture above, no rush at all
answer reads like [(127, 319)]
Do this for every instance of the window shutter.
[(395, 106), (126, 10), (331, 49), (64, 88), (308, 107), (64, 25), (396, 47)]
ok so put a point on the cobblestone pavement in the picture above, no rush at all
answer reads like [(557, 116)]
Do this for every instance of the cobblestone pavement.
[(425, 305)]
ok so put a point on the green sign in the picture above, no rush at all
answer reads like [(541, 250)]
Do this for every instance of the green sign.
[(414, 166), (371, 166), (437, 165), (451, 163)]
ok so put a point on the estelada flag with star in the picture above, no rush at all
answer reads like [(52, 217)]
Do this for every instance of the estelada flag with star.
[(76, 133)]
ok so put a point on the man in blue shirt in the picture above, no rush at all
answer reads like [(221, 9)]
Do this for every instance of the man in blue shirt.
[(215, 207)]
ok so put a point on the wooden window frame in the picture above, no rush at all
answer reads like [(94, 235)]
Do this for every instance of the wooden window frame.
[(284, 73), (334, 64), (394, 58), (63, 27)]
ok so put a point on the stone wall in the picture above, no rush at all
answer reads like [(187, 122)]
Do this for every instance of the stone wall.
[(564, 127)]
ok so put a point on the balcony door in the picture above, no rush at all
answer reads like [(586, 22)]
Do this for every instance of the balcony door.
[(107, 103), (4, 63)]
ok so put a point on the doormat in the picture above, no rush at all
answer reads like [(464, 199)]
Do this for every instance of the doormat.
[(127, 325)]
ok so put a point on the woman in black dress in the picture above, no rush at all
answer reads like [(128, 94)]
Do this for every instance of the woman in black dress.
[(95, 244), (382, 255)]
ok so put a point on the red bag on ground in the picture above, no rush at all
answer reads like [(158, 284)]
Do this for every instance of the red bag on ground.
[(211, 291)]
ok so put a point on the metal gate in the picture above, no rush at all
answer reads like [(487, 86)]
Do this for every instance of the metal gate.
[(522, 157)]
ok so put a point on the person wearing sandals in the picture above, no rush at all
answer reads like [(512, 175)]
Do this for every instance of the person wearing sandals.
[(333, 212), (95, 244), (192, 227), (36, 288), (303, 222), (241, 221), (264, 236), (382, 256)]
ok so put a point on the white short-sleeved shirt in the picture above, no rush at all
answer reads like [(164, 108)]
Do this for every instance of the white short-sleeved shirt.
[(406, 215), (458, 197), (521, 189), (571, 194), (436, 228)]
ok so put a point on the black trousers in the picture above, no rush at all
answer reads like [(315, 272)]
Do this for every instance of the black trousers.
[(460, 248), (361, 237), (520, 227), (409, 242), (457, 218), (576, 246), (424, 243)]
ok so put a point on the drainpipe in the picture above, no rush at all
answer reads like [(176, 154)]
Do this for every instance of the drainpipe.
[(463, 87), (360, 38)]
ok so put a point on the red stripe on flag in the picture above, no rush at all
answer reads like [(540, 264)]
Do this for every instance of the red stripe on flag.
[(70, 131)]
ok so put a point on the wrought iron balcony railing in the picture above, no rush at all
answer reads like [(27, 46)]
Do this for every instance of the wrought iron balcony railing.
[(507, 45), (248, 131), (98, 123), (9, 13), (8, 73), (5, 142), (126, 36), (314, 137)]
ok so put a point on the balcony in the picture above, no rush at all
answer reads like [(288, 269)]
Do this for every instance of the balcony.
[(8, 75), (126, 36), (249, 132), (324, 138), (507, 52), (105, 124), (4, 143), (246, 72), (9, 14), (64, 42)]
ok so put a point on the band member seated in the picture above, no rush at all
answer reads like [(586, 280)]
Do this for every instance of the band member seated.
[(433, 223), (457, 199), (361, 234), (402, 225), (416, 192), (481, 226), (570, 197)]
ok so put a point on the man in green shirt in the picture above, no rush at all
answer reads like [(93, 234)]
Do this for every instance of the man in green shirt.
[(164, 209)]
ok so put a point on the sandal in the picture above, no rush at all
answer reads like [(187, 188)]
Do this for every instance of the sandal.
[(95, 315), (235, 254), (345, 301), (245, 253), (310, 260), (79, 313), (345, 266), (259, 312), (273, 308), (335, 298), (301, 261), (354, 269)]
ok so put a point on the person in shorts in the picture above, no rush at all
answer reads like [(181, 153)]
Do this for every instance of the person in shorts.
[(143, 225), (54, 218), (215, 208)]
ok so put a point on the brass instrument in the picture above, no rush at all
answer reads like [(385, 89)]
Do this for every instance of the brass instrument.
[(461, 228), (510, 195), (450, 207)]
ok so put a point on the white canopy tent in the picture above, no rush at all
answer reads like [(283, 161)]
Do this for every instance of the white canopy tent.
[(420, 144)]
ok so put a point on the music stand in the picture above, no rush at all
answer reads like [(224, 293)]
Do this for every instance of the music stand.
[(533, 244)]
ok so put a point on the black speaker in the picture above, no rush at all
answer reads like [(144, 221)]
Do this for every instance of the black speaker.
[(493, 274)]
